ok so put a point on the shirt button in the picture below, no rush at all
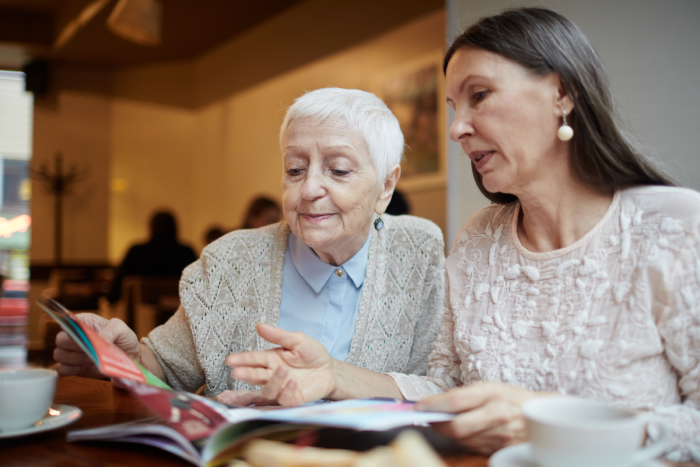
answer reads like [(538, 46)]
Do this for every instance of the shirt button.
[(339, 272)]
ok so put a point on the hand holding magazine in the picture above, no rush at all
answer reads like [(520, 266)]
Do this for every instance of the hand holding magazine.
[(208, 433)]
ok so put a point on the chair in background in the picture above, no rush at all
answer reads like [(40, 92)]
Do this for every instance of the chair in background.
[(148, 301)]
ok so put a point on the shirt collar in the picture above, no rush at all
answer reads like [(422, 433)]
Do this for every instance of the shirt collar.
[(316, 273)]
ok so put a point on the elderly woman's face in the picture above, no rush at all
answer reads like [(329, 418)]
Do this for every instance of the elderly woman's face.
[(329, 188), (506, 119)]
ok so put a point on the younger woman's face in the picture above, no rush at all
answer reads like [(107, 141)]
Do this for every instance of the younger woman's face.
[(506, 119)]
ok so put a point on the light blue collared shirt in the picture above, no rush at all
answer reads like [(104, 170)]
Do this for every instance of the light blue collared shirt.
[(322, 300)]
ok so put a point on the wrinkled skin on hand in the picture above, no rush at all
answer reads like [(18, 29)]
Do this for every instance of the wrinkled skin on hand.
[(489, 414), (299, 371), (72, 361), (245, 398)]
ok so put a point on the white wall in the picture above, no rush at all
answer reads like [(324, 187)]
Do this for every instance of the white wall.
[(77, 125), (651, 50)]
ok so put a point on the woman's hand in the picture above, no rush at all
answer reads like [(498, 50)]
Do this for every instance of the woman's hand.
[(244, 397), (489, 414), (72, 361), (299, 371)]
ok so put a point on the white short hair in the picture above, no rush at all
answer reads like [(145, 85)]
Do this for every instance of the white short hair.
[(364, 112)]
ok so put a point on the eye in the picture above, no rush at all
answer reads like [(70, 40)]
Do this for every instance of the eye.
[(339, 172), (294, 172), (479, 96)]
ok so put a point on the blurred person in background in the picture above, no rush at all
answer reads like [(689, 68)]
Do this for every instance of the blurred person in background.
[(214, 232), (162, 255), (398, 205), (261, 211)]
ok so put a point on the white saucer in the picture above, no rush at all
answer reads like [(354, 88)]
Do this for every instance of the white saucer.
[(520, 455), (66, 415)]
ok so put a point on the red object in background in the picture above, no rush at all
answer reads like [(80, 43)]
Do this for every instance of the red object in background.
[(14, 307), (14, 317), (14, 285)]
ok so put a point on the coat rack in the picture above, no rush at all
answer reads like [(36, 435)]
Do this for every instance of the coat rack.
[(58, 184)]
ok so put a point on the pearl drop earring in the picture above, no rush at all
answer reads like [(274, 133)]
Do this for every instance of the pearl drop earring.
[(565, 132)]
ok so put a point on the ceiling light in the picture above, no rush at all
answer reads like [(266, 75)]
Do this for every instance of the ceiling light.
[(137, 21)]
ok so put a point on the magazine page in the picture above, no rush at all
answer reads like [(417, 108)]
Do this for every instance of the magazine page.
[(194, 417), (109, 359), (376, 414), (145, 431)]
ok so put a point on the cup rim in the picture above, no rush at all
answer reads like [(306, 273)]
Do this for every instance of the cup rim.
[(528, 409), (34, 374)]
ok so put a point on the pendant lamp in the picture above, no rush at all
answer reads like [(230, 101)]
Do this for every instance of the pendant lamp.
[(137, 21)]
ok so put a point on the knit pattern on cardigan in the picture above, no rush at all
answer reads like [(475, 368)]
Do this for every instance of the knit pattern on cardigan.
[(237, 283)]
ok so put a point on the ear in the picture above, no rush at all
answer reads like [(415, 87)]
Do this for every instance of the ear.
[(562, 100), (387, 190)]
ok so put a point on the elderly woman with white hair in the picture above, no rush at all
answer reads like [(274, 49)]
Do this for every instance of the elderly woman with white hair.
[(367, 286)]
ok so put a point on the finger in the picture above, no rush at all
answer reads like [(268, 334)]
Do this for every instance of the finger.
[(250, 399), (275, 384), (121, 335), (255, 376), (274, 335), (70, 370), (262, 402), (231, 397), (461, 399), (290, 395), (70, 357), (260, 359), (65, 341), (93, 320), (489, 441), (489, 417), (66, 370)]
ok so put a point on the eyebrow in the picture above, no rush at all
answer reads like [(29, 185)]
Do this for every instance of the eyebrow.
[(460, 89)]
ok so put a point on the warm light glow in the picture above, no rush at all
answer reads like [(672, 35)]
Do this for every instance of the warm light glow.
[(138, 21), (54, 412), (25, 190), (119, 185), (18, 224)]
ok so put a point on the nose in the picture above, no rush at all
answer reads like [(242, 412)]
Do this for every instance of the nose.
[(313, 187), (461, 127)]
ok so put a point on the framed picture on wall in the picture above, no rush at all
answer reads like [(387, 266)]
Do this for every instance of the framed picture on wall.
[(415, 95)]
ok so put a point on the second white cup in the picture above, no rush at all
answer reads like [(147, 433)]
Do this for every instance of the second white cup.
[(573, 432)]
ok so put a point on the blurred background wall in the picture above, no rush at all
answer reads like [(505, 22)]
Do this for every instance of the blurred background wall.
[(200, 135)]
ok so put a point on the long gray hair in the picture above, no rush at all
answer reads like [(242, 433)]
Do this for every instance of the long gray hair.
[(544, 41)]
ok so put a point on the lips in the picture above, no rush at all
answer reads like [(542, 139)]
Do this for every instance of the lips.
[(480, 158), (316, 217)]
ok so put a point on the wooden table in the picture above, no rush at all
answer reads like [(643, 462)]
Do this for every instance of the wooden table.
[(102, 404)]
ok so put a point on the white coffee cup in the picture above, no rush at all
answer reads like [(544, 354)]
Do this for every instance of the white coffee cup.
[(573, 432), (25, 397)]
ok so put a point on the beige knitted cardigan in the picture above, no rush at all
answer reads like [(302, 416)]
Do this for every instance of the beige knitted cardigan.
[(237, 283)]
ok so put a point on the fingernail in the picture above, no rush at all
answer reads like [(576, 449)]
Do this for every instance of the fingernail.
[(281, 372)]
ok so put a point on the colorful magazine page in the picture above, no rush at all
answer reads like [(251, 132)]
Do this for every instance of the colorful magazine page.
[(73, 330), (192, 416), (110, 360), (227, 443), (141, 432), (358, 414)]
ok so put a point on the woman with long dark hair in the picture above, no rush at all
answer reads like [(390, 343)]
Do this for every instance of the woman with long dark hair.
[(583, 276)]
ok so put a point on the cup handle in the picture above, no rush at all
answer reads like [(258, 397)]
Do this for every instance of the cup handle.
[(656, 448)]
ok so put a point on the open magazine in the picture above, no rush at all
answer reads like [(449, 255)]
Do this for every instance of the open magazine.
[(208, 433)]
